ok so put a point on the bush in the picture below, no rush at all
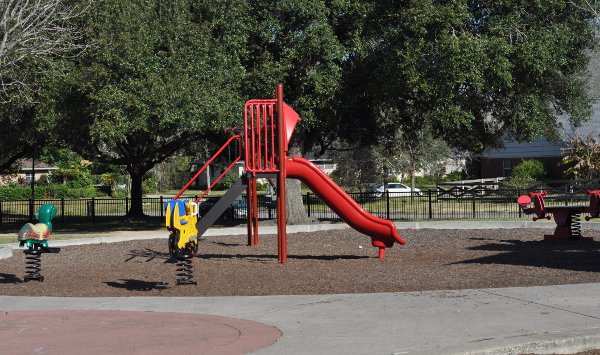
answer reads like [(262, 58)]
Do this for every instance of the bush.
[(119, 194), (525, 173), (80, 180), (47, 191), (15, 193), (72, 178), (529, 170), (424, 181), (226, 182), (149, 185), (455, 175)]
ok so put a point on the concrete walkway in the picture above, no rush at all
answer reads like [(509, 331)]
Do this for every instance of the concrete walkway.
[(490, 321), (552, 319)]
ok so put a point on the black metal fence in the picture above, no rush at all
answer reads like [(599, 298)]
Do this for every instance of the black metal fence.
[(430, 204)]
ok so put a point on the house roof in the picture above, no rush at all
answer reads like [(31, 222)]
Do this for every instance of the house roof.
[(539, 148), (25, 165)]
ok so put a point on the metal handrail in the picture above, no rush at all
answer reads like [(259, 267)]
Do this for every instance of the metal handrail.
[(239, 138)]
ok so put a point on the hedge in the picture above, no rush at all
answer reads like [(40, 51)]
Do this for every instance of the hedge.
[(48, 191)]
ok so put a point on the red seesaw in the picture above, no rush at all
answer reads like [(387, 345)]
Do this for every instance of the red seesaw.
[(567, 218)]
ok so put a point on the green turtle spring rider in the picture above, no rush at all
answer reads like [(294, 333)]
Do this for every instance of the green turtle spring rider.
[(35, 238)]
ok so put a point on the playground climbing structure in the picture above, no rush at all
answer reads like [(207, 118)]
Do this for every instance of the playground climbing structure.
[(263, 146)]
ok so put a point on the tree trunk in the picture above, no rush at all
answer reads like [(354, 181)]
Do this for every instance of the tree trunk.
[(136, 210), (296, 214)]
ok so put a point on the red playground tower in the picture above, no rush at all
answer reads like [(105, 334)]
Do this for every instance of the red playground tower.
[(263, 145)]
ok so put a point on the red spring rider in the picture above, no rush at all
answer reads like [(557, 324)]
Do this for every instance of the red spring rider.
[(567, 218), (539, 205)]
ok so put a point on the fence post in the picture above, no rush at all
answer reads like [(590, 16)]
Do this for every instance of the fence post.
[(62, 210), (31, 211), (161, 207), (473, 203), (519, 208), (430, 204), (93, 209), (387, 204), (126, 205), (308, 203)]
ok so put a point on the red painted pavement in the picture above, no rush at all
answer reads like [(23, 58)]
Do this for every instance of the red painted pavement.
[(124, 332)]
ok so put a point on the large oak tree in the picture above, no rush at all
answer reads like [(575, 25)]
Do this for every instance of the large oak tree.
[(472, 71), (159, 76)]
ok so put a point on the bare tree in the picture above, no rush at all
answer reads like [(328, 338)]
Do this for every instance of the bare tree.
[(34, 30)]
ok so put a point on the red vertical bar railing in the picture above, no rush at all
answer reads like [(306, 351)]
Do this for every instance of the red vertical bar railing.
[(265, 137), (272, 136), (246, 142), (253, 146), (259, 140)]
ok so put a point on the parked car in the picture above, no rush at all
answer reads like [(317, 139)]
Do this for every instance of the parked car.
[(395, 189)]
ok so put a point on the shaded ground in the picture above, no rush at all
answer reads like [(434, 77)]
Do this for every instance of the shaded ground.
[(339, 261)]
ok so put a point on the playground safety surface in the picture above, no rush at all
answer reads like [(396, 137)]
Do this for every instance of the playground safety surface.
[(326, 262)]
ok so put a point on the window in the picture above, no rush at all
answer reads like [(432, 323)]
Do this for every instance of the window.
[(506, 167)]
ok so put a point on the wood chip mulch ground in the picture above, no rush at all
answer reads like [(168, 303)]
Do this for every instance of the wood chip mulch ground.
[(328, 262)]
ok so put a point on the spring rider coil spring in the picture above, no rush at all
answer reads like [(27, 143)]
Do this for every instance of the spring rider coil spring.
[(185, 271), (575, 225), (33, 263)]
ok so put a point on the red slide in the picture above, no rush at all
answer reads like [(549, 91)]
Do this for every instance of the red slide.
[(383, 233)]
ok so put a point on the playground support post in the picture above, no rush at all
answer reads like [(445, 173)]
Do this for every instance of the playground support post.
[(282, 156), (255, 210), (252, 210), (248, 214)]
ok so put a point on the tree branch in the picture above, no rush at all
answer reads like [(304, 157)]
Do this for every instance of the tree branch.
[(32, 30)]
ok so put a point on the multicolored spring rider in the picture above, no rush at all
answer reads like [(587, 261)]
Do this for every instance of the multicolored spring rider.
[(181, 218), (35, 237)]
